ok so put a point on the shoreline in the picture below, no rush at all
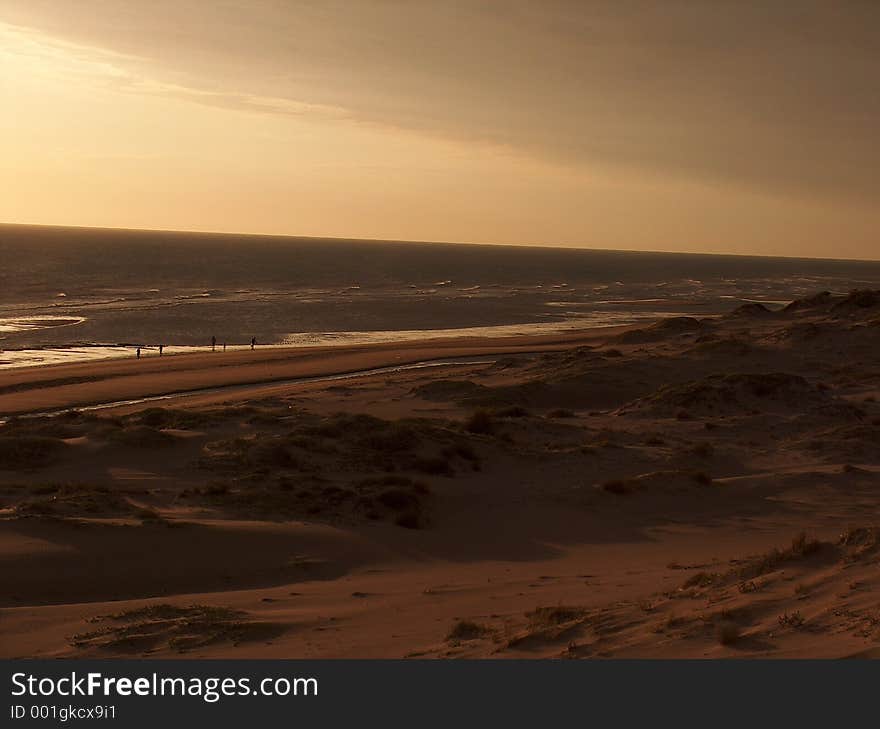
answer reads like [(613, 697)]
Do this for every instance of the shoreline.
[(17, 357), (53, 387)]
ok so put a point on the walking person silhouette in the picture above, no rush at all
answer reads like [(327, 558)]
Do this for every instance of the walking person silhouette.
[(213, 344), (253, 342)]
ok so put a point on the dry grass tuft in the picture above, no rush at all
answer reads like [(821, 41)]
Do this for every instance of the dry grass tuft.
[(792, 620), (546, 617), (158, 626), (467, 630)]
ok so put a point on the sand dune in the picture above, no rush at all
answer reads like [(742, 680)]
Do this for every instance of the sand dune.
[(693, 488)]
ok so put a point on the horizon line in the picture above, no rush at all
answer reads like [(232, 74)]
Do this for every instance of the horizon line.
[(545, 246)]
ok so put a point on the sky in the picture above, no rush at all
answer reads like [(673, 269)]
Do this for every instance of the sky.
[(683, 125)]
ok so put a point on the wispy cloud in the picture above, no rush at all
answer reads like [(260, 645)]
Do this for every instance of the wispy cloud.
[(762, 95), (131, 73)]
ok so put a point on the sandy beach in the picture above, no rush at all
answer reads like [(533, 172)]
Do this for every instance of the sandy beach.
[(696, 487), (54, 387)]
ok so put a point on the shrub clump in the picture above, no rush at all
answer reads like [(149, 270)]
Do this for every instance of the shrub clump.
[(801, 547), (398, 494), (467, 630), (791, 620), (162, 418), (702, 579), (543, 617)]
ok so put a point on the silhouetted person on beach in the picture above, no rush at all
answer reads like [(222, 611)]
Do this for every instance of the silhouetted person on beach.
[(224, 346), (138, 352), (161, 347), (213, 344), (253, 342)]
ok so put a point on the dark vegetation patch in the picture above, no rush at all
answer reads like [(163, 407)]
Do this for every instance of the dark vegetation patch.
[(467, 630), (140, 436), (344, 443), (860, 542), (543, 617), (143, 429), (735, 394), (791, 620), (549, 623), (272, 499), (388, 497), (345, 425), (19, 452), (309, 467), (258, 454), (171, 418), (397, 497), (71, 500)]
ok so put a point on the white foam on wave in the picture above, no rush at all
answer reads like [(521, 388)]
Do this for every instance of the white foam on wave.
[(31, 323)]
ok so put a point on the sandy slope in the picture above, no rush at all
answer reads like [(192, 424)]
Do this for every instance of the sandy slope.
[(620, 493)]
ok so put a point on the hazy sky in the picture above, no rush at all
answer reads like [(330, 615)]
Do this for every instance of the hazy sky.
[(696, 125)]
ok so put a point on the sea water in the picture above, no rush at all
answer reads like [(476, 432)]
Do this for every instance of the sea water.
[(78, 293)]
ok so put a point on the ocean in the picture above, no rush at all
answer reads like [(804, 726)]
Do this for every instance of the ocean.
[(78, 293)]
